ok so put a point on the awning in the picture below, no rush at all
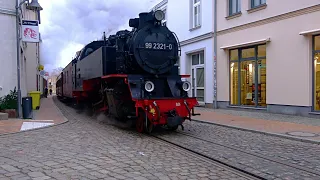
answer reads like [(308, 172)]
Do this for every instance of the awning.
[(246, 44), (310, 32)]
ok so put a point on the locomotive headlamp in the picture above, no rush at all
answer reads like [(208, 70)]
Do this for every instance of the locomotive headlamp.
[(186, 86), (159, 15), (149, 86)]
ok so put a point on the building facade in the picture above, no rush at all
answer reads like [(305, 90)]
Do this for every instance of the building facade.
[(29, 52), (192, 23), (8, 50), (52, 80), (268, 52), (268, 55)]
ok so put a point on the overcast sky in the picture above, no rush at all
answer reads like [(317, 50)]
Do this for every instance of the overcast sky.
[(67, 25)]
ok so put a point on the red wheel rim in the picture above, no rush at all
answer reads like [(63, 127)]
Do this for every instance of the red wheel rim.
[(139, 123)]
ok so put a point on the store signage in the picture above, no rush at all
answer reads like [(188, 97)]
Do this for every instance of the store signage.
[(30, 31)]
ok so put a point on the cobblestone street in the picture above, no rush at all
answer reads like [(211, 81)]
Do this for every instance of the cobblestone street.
[(85, 148), (267, 156)]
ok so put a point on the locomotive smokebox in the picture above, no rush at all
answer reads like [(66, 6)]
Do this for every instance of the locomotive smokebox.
[(154, 47)]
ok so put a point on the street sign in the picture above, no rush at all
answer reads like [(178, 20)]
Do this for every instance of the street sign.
[(30, 31)]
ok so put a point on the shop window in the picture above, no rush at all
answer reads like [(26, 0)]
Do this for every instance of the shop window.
[(248, 53), (234, 83), (248, 76), (316, 58), (317, 43)]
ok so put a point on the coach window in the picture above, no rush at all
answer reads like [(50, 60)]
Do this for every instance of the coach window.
[(248, 76), (88, 51), (316, 74)]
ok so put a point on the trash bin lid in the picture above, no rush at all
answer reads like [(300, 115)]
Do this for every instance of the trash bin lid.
[(34, 92)]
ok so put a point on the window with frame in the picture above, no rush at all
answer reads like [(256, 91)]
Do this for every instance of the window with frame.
[(256, 3), (234, 7), (248, 72), (316, 72), (196, 11)]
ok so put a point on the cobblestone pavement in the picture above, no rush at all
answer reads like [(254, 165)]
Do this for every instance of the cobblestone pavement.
[(85, 148), (266, 116), (248, 150)]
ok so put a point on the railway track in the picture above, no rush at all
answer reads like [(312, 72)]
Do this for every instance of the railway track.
[(240, 172), (257, 155), (75, 120)]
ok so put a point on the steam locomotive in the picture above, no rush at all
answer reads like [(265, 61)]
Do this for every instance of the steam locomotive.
[(132, 76)]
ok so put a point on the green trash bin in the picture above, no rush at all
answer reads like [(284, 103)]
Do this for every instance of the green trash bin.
[(35, 99)]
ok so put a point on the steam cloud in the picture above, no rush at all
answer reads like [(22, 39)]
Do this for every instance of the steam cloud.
[(67, 25)]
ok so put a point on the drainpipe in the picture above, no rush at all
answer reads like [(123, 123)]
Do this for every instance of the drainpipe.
[(215, 54), (18, 59)]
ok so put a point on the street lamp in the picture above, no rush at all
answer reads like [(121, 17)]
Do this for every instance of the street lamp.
[(34, 5)]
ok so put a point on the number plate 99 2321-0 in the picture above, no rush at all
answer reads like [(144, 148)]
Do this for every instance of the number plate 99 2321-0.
[(159, 46)]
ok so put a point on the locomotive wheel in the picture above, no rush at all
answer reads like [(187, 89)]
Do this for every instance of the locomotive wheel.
[(143, 124), (148, 126), (140, 121)]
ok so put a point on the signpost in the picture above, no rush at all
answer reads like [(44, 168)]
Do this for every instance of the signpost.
[(30, 31)]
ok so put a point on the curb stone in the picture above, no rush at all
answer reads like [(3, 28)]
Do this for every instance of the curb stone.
[(261, 132), (65, 121)]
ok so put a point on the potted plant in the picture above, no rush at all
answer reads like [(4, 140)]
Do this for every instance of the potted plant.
[(8, 104)]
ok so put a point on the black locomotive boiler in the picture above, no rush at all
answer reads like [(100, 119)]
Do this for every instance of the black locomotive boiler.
[(132, 75)]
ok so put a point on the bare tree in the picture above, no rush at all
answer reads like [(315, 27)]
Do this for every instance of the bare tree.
[(56, 71)]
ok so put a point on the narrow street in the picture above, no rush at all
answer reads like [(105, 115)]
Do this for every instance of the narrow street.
[(86, 148), (95, 148)]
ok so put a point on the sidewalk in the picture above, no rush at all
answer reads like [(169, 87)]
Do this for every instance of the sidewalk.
[(292, 127), (47, 115)]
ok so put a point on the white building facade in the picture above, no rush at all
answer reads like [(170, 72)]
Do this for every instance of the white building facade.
[(29, 52), (8, 50), (268, 55), (192, 22)]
